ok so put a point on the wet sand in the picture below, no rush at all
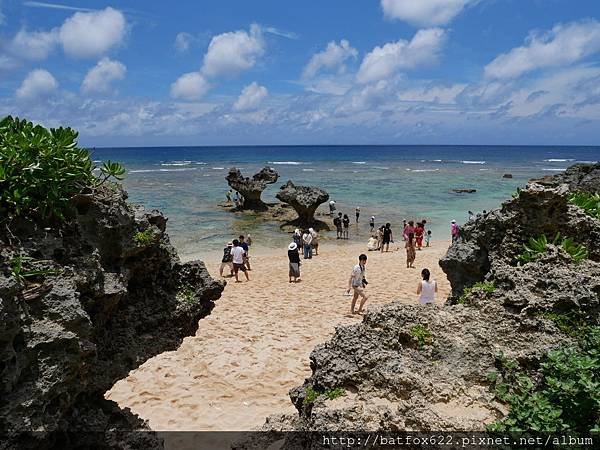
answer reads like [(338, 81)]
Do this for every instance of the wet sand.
[(255, 345)]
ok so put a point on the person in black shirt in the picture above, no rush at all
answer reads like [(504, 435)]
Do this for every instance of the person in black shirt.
[(244, 245), (387, 237), (338, 225), (294, 258), (227, 260), (346, 222)]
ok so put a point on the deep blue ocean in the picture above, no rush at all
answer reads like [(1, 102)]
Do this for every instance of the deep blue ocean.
[(390, 182)]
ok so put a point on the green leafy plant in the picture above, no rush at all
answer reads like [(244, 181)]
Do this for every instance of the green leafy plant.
[(187, 295), (422, 335), (563, 395), (570, 323), (590, 203), (41, 169), (335, 393), (486, 287), (310, 395), (537, 246), (144, 238), (22, 274)]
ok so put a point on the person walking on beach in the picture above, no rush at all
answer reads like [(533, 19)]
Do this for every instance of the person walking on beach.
[(410, 251), (428, 238), (358, 283), (346, 222), (454, 230), (338, 225), (315, 241), (294, 258), (419, 231), (387, 237), (410, 228), (372, 224), (237, 254), (426, 289), (380, 237), (227, 260), (246, 248), (357, 212), (306, 241)]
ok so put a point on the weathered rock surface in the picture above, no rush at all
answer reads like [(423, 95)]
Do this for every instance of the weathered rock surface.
[(305, 200), (67, 337), (252, 188), (581, 177), (392, 381), (507, 175)]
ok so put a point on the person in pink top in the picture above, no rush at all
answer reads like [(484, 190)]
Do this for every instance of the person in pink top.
[(408, 229), (454, 230)]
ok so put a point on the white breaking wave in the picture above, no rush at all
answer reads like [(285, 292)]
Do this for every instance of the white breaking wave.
[(380, 167), (218, 168), (552, 169), (587, 162), (177, 163), (286, 163), (162, 170), (558, 160), (424, 170), (308, 170), (473, 162), (359, 162)]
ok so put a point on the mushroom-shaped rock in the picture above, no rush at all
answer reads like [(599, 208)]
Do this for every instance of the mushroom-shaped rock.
[(251, 188), (304, 199)]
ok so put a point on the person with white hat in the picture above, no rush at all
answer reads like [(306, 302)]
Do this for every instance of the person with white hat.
[(294, 258), (454, 230)]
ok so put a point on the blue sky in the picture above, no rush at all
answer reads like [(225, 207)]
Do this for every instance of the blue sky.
[(313, 72)]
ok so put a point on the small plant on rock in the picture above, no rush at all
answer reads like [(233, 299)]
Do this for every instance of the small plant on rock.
[(487, 287), (576, 251), (335, 393), (144, 238), (590, 203), (422, 335), (21, 273), (537, 246), (187, 296), (310, 395)]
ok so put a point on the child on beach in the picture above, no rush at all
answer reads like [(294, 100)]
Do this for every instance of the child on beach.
[(358, 282), (410, 250), (427, 238)]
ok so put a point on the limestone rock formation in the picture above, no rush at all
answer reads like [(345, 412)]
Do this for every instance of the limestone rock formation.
[(581, 177), (408, 367), (305, 200), (251, 188), (507, 175), (113, 294)]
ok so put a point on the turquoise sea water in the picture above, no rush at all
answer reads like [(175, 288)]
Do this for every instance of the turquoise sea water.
[(390, 182)]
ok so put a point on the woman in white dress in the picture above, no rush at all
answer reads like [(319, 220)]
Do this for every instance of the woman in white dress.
[(427, 288)]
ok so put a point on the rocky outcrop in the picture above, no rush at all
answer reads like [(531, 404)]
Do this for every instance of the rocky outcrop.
[(305, 200), (414, 368), (251, 188), (580, 177), (111, 293)]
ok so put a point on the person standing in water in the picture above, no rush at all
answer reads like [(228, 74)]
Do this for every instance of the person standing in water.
[(358, 283), (426, 289), (372, 223), (229, 192), (357, 211)]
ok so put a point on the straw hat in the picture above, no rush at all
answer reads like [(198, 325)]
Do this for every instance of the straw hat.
[(292, 246), (230, 244)]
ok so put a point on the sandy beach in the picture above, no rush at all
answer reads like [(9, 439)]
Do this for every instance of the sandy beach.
[(255, 345)]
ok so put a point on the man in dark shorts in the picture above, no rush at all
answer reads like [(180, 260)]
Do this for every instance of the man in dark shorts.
[(237, 254), (387, 237), (338, 225), (245, 246)]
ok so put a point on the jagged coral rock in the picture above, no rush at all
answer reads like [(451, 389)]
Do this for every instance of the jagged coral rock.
[(305, 200), (67, 337), (252, 188)]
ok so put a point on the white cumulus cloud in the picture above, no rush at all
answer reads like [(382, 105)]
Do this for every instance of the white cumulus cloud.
[(190, 86), (100, 77), (425, 12), (563, 45), (38, 83), (251, 97), (383, 62), (33, 44), (332, 58), (230, 53)]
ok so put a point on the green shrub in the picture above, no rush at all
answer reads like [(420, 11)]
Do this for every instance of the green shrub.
[(537, 246), (590, 203), (310, 395), (562, 396), (570, 323), (41, 169), (144, 238), (188, 296), (487, 287), (335, 393), (422, 335)]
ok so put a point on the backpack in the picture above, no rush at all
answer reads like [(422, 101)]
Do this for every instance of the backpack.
[(227, 255)]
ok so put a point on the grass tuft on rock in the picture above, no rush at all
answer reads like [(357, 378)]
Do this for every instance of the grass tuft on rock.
[(422, 335), (144, 238), (538, 246), (487, 288), (590, 203)]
